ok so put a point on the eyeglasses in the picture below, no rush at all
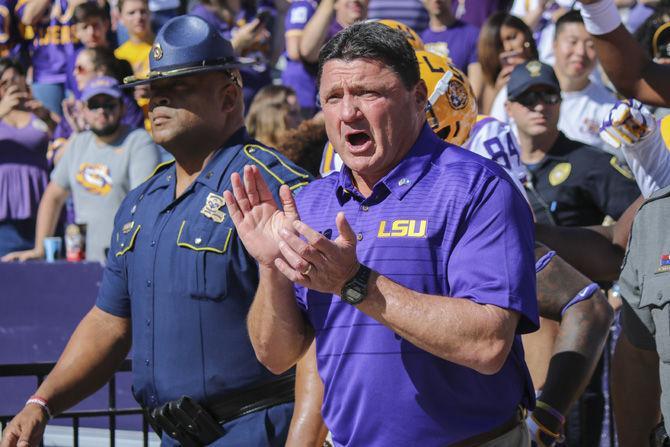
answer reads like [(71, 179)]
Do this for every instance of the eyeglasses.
[(530, 99), (108, 106)]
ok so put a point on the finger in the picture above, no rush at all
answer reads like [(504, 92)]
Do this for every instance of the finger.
[(250, 186), (233, 209), (346, 232), (288, 202), (264, 192), (9, 438), (291, 274), (297, 262), (315, 239), (240, 193)]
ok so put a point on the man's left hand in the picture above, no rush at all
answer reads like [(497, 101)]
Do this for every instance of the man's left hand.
[(317, 262)]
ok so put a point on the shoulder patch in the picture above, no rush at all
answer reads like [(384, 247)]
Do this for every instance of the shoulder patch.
[(272, 163), (665, 131)]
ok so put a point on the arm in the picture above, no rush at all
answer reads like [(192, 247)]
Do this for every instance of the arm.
[(307, 426), (636, 392), (314, 34), (596, 251), (633, 74), (580, 339), (48, 213), (34, 11), (93, 354)]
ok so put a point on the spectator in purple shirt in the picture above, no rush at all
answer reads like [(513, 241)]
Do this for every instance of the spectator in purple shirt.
[(451, 37), (24, 137), (413, 267)]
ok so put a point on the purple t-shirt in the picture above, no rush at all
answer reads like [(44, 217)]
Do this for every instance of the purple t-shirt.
[(458, 42), (445, 222), (54, 42), (298, 75), (475, 12), (23, 168)]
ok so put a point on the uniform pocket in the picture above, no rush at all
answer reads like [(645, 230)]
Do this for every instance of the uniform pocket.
[(125, 241), (656, 298), (209, 247)]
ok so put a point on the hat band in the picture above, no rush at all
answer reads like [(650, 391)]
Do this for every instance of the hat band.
[(169, 71)]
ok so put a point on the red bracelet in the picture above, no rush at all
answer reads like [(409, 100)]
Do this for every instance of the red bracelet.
[(37, 400)]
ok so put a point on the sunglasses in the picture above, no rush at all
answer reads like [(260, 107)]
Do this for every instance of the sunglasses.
[(530, 99), (107, 106)]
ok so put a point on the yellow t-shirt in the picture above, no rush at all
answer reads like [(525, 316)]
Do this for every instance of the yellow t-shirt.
[(137, 54)]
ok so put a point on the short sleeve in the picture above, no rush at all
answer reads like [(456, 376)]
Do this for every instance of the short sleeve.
[(113, 296), (493, 261), (298, 15), (61, 173), (143, 159)]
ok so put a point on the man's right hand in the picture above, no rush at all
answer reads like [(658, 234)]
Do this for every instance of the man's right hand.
[(25, 255), (26, 429), (257, 217)]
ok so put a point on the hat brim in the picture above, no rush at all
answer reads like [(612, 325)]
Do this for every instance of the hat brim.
[(133, 81)]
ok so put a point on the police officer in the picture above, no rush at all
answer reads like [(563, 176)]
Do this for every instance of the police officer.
[(178, 282), (570, 183)]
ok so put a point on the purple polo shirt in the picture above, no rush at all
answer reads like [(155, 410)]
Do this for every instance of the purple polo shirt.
[(458, 42), (445, 222)]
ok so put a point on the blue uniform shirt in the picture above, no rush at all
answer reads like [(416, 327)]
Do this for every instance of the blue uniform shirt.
[(444, 222), (179, 269)]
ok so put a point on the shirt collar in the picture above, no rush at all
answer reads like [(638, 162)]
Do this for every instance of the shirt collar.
[(212, 176), (403, 176)]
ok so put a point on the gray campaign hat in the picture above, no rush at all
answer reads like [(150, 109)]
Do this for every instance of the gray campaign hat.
[(530, 74), (187, 45)]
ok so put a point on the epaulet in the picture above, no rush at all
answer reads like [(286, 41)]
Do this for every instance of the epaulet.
[(665, 130), (161, 167), (657, 195), (275, 166)]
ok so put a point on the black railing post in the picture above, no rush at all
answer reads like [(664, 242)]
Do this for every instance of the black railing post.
[(112, 406)]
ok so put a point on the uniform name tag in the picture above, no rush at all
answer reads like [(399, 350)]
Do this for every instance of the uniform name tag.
[(212, 208)]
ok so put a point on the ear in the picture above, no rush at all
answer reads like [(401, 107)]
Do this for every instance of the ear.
[(421, 94), (228, 95), (508, 108)]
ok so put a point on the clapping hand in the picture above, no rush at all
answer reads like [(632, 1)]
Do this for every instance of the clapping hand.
[(278, 239)]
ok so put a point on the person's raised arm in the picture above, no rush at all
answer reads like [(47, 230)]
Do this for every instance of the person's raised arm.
[(34, 10), (631, 71), (316, 30), (278, 331), (95, 351)]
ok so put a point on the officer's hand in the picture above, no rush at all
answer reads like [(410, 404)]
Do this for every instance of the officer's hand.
[(628, 123), (26, 429), (25, 255), (257, 217), (317, 262)]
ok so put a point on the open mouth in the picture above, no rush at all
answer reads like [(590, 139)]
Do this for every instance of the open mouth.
[(358, 139)]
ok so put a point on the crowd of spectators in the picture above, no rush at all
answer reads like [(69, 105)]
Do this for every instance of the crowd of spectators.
[(73, 142)]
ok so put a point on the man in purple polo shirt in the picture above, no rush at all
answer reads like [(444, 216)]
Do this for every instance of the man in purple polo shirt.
[(413, 267)]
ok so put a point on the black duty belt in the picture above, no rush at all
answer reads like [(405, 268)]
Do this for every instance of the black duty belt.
[(195, 425), (482, 438)]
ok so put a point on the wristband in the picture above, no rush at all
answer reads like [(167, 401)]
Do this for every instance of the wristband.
[(541, 263), (551, 410), (601, 17), (37, 400), (584, 294)]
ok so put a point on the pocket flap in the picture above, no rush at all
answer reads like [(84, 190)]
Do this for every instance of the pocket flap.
[(203, 239), (126, 241), (655, 290)]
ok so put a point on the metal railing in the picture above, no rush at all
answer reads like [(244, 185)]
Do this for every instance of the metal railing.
[(41, 370)]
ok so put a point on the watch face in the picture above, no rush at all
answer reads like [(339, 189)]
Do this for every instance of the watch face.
[(354, 295)]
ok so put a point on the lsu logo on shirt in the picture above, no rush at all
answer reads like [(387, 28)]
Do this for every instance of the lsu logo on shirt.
[(402, 228), (95, 177)]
